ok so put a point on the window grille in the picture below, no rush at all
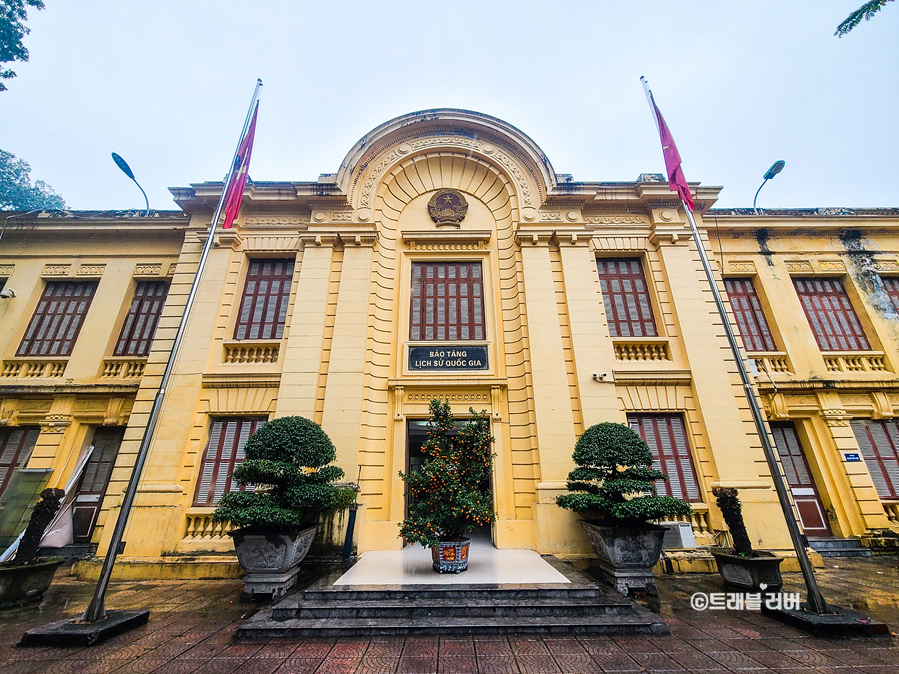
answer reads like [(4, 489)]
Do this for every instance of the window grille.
[(830, 314), (447, 301), (626, 297), (263, 309), (223, 454), (142, 319), (57, 319), (666, 436), (749, 315)]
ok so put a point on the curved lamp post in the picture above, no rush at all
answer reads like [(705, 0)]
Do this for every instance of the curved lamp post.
[(122, 164), (776, 168)]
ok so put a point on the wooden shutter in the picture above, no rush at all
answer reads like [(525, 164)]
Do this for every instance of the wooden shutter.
[(830, 314), (891, 285), (878, 441), (626, 298), (666, 436), (223, 454), (16, 444), (57, 319), (263, 309), (447, 301), (749, 315), (142, 319)]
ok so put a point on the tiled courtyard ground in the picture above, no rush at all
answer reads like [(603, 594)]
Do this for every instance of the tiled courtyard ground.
[(192, 626)]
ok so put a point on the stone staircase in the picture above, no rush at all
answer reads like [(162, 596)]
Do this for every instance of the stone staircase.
[(327, 610), (839, 547)]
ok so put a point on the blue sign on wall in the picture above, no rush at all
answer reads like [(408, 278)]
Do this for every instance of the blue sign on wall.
[(853, 456)]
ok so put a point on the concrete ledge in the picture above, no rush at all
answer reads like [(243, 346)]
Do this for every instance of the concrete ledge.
[(162, 568)]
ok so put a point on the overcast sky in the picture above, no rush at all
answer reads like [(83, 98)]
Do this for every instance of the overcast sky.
[(166, 84)]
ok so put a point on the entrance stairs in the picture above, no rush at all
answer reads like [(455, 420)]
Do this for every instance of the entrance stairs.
[(326, 609), (839, 547)]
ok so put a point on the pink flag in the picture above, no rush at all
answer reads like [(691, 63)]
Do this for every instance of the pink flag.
[(676, 180), (234, 190)]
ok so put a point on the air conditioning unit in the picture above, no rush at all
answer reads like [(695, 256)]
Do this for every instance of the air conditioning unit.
[(679, 535)]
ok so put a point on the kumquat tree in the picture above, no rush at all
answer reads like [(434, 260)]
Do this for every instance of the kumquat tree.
[(450, 494)]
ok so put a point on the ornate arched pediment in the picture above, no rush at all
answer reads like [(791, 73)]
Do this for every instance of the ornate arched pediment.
[(470, 134)]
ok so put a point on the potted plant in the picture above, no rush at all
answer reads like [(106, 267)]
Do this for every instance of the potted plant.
[(742, 568), (288, 485), (450, 493), (613, 489), (26, 577)]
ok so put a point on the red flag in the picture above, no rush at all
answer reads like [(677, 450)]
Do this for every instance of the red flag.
[(234, 190), (676, 180)]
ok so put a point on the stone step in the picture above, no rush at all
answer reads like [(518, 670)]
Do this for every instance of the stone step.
[(414, 609), (261, 626), (490, 592), (839, 547)]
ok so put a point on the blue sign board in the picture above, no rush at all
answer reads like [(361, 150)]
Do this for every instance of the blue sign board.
[(852, 456)]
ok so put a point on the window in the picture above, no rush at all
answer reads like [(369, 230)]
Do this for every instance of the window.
[(447, 301), (143, 317), (16, 444), (830, 314), (57, 319), (223, 454), (749, 315), (626, 297), (263, 309), (666, 437), (891, 285), (878, 441)]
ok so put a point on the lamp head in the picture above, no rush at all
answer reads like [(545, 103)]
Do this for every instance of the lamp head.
[(122, 164), (776, 168)]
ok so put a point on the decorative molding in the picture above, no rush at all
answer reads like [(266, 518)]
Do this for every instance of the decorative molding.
[(741, 267), (495, 403), (228, 238), (447, 207), (6, 269), (669, 233), (883, 408), (550, 216), (56, 270), (399, 395), (9, 408), (148, 269), (443, 239), (255, 244), (241, 380), (831, 266), (622, 243), (778, 408), (879, 265), (836, 417), (91, 269), (115, 412), (617, 220), (342, 217), (55, 423), (277, 220), (173, 267), (428, 396), (799, 266)]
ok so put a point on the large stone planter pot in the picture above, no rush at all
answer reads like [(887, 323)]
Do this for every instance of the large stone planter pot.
[(748, 574), (27, 583), (450, 556), (271, 559), (627, 554)]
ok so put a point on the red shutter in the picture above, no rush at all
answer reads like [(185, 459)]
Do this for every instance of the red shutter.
[(626, 297), (263, 309), (142, 319), (830, 314), (666, 436), (878, 441), (749, 315), (223, 454), (57, 319), (16, 444), (891, 285), (447, 301)]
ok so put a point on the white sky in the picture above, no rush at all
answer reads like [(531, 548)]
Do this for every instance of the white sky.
[(166, 84)]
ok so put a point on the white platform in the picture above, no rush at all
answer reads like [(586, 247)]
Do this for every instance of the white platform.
[(486, 564)]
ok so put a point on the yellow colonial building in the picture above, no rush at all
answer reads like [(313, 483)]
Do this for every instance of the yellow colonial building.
[(447, 259)]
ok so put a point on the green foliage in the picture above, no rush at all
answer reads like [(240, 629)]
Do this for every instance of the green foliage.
[(450, 494), (614, 480), (44, 512), (866, 12), (732, 510), (287, 462), (13, 14), (16, 191)]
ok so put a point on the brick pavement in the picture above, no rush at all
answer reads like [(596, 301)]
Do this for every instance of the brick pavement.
[(192, 626)]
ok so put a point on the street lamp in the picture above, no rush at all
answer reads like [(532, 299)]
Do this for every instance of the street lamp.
[(122, 164), (776, 168)]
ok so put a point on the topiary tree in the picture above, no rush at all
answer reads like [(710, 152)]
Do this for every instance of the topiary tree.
[(287, 462), (614, 480), (450, 490), (732, 510)]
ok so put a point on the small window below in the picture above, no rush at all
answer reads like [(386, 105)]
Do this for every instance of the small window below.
[(666, 436), (223, 454)]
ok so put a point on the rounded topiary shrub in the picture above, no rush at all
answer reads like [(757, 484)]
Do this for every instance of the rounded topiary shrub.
[(287, 479), (614, 481)]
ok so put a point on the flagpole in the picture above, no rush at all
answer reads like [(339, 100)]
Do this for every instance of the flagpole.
[(97, 609), (815, 600)]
